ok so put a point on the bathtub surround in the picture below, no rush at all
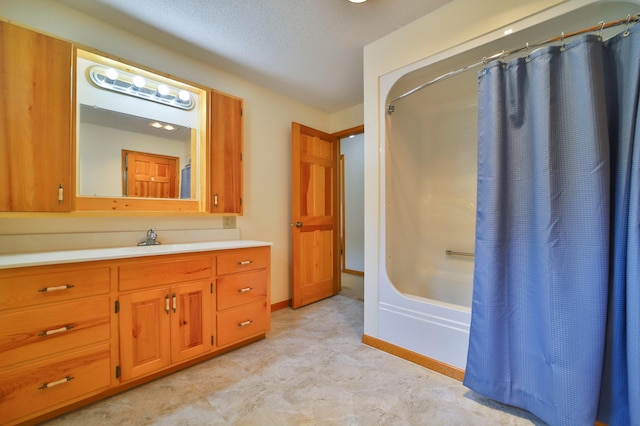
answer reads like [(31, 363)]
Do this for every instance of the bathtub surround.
[(311, 369), (557, 245)]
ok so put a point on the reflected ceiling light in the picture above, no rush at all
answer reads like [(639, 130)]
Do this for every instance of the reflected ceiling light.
[(357, 1), (163, 126), (135, 85)]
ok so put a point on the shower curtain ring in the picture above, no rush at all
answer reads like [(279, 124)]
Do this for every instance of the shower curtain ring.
[(562, 41), (602, 24), (527, 58), (626, 32), (503, 59)]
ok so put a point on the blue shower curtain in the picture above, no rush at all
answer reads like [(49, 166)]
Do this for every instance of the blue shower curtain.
[(556, 309)]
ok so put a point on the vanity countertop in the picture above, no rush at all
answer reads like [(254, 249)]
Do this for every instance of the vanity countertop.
[(87, 255)]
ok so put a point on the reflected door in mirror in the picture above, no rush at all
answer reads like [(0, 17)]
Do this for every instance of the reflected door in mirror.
[(149, 175)]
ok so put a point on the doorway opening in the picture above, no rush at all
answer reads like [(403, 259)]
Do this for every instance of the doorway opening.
[(351, 190)]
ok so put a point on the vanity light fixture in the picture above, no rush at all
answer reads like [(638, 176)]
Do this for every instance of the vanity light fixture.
[(139, 82), (357, 1), (135, 85), (111, 74)]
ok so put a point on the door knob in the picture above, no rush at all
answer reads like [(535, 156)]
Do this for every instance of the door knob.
[(298, 224)]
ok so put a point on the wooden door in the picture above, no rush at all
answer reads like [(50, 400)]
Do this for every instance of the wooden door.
[(35, 121), (226, 154), (149, 175), (314, 215), (144, 332), (190, 320)]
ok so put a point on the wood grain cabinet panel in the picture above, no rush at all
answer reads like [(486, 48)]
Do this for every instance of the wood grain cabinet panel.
[(40, 332), (240, 289), (22, 287), (164, 326), (48, 384), (169, 270), (242, 323), (35, 121), (225, 161), (144, 332), (242, 260), (242, 294)]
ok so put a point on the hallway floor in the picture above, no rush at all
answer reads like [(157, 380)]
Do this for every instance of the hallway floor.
[(312, 369)]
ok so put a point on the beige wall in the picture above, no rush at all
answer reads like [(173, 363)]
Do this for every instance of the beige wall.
[(267, 169)]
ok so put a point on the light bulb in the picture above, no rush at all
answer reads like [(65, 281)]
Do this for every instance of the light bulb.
[(138, 81), (111, 74), (169, 127), (183, 95), (156, 125), (163, 89)]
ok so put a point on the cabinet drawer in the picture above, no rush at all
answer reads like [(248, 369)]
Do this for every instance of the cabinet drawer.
[(44, 384), (32, 286), (237, 324), (44, 331), (240, 261), (161, 272), (240, 289)]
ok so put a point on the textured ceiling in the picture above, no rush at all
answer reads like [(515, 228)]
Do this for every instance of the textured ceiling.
[(308, 50)]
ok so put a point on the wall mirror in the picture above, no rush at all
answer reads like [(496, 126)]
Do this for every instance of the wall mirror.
[(141, 138)]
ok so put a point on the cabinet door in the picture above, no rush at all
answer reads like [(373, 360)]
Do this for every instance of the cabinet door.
[(191, 320), (35, 121), (226, 154), (144, 332)]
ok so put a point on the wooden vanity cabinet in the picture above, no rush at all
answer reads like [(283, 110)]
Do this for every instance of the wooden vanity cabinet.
[(35, 121), (242, 292), (55, 337), (74, 333), (165, 325)]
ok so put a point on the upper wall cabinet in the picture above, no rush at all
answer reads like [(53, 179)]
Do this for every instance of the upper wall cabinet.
[(226, 154), (35, 121), (121, 137)]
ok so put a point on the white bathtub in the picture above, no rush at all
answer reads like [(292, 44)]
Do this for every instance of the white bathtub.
[(427, 189)]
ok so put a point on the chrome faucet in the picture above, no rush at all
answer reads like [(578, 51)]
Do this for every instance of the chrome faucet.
[(151, 238)]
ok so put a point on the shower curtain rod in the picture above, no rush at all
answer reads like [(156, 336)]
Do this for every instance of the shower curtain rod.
[(562, 37)]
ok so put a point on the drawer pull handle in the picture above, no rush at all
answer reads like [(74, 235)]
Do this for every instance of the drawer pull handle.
[(58, 288), (56, 383), (175, 305), (245, 262), (55, 331), (244, 324), (166, 304), (244, 290)]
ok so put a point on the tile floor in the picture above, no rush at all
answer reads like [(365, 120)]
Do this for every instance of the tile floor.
[(312, 369)]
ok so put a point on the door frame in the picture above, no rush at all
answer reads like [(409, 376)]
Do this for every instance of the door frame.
[(298, 299), (341, 173)]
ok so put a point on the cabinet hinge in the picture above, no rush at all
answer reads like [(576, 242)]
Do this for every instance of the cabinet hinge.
[(240, 156), (117, 306), (240, 200), (212, 340), (211, 288), (117, 371)]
